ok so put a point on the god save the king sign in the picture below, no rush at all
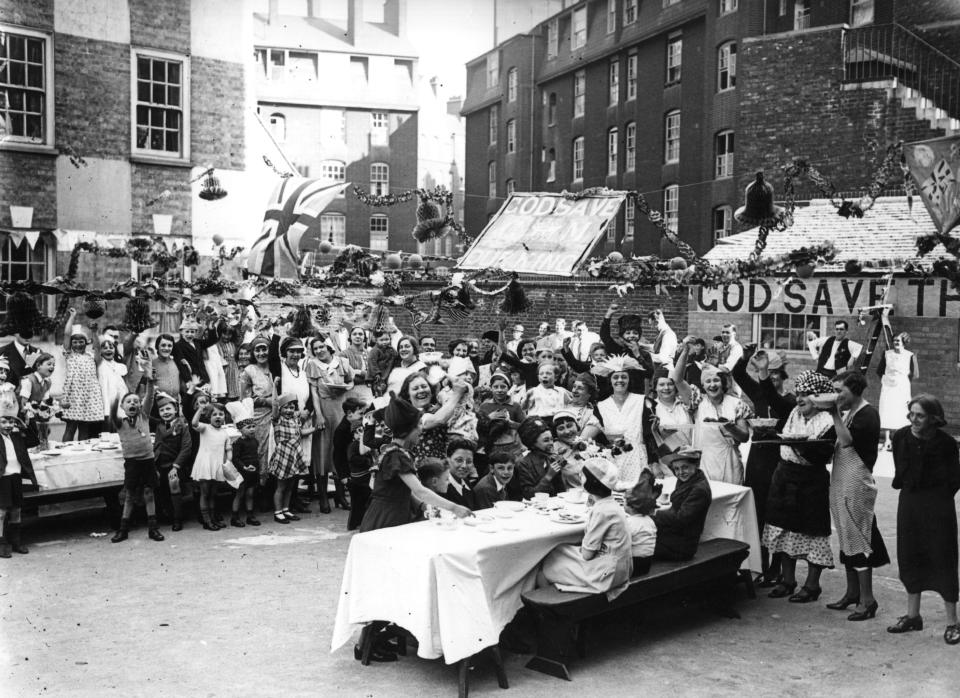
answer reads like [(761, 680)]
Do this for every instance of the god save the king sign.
[(910, 297)]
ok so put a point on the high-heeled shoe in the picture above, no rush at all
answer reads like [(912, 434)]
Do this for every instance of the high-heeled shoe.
[(782, 589), (844, 603), (805, 595), (870, 611)]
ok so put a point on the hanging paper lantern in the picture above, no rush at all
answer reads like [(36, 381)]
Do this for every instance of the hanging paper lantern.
[(393, 261), (94, 307), (211, 190), (804, 271), (854, 267), (678, 263), (414, 261), (758, 208), (137, 316), (325, 247), (615, 257), (218, 239)]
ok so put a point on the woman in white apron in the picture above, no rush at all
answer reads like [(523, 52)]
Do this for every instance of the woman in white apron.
[(897, 368), (623, 418)]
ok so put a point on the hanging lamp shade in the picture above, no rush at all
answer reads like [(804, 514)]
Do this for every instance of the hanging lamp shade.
[(210, 189), (759, 208)]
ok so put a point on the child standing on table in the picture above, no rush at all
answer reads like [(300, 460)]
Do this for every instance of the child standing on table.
[(172, 446), (246, 458), (139, 468), (287, 462), (14, 466), (603, 562), (214, 451)]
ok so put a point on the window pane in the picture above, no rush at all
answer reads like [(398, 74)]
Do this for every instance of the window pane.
[(173, 96), (159, 94), (35, 50), (173, 73), (158, 70)]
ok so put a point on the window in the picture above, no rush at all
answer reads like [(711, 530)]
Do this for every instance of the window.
[(722, 222), (278, 127), (724, 155), (278, 64), (333, 227), (403, 69), (629, 11), (629, 218), (614, 82), (333, 126), (611, 16), (494, 118), (511, 186), (579, 93), (379, 128), (612, 230), (553, 38), (671, 137), (727, 67), (631, 147), (631, 76), (492, 179), (26, 87), (578, 158), (379, 232), (783, 8), (23, 263), (493, 70), (380, 178), (786, 331), (861, 12), (552, 108), (302, 66), (578, 36), (728, 6), (612, 135), (674, 51), (512, 85), (160, 111), (333, 171), (671, 206), (801, 15), (552, 165), (511, 136)]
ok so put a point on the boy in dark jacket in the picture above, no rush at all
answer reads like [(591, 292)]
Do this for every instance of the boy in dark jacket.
[(680, 526), (172, 447), (14, 466), (246, 459)]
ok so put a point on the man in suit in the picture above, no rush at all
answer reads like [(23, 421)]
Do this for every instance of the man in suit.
[(834, 354), (460, 457), (582, 341), (20, 354)]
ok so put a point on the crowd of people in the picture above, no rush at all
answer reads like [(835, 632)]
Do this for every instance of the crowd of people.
[(408, 428)]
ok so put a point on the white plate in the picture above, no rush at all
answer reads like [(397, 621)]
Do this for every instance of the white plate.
[(503, 514), (509, 525), (508, 505), (487, 528), (568, 519)]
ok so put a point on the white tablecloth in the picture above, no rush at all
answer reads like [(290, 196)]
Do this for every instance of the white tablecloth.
[(455, 590), (77, 466)]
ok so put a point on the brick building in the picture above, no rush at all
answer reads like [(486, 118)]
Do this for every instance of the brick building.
[(683, 100), (110, 110), (339, 96)]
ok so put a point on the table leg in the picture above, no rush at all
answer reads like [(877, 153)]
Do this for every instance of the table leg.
[(747, 577), (463, 685), (498, 664)]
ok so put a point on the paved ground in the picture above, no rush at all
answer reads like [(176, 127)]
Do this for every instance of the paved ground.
[(250, 612)]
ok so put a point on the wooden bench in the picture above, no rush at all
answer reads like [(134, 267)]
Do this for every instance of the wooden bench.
[(560, 614)]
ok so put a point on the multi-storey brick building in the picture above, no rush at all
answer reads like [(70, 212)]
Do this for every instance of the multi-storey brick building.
[(107, 112), (683, 100), (339, 96)]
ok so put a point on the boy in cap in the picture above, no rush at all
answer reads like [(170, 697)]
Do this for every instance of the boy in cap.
[(172, 449), (680, 526)]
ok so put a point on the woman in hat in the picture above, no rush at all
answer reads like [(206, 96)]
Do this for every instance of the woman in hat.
[(680, 525), (898, 367), (82, 400), (630, 327), (256, 382), (331, 379), (798, 508), (927, 473), (603, 561), (623, 416)]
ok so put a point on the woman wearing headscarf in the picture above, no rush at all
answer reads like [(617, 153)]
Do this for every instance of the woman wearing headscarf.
[(927, 473), (798, 508)]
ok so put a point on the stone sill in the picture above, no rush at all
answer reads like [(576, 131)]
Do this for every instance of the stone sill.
[(21, 147), (154, 160)]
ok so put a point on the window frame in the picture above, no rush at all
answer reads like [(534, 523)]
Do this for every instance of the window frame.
[(674, 61), (337, 237), (553, 38), (384, 219), (511, 136), (578, 153), (493, 70), (727, 66), (579, 93), (47, 265), (332, 164), (613, 75), (726, 230), (805, 319), (801, 15), (611, 16), (379, 178), (629, 218), (632, 76), (863, 6), (671, 144), (578, 37), (492, 179), (630, 146), (512, 85), (723, 162), (613, 148), (628, 7), (183, 155), (510, 186), (48, 117), (671, 193), (493, 124), (727, 7)]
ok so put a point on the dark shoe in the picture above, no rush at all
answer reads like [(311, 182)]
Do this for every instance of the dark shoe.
[(13, 537), (952, 634), (253, 521), (120, 536), (324, 503), (235, 521), (843, 604), (5, 549), (781, 590), (765, 582), (870, 611), (217, 519), (290, 516), (341, 503), (210, 526), (281, 519), (376, 655), (177, 526), (154, 534), (805, 595), (905, 624)]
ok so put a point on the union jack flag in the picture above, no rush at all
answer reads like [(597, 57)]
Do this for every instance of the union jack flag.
[(293, 211)]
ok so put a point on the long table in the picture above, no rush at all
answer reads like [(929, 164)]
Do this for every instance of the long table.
[(455, 590)]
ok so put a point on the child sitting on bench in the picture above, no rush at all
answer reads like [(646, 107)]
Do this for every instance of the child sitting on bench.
[(680, 526), (603, 562), (641, 504)]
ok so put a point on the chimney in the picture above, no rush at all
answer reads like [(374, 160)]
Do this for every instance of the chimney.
[(395, 17), (274, 12), (354, 21)]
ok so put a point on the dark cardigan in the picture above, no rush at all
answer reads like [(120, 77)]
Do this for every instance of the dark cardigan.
[(679, 528)]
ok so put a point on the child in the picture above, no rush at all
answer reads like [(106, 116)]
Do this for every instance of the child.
[(603, 563), (460, 454), (214, 450), (539, 470), (287, 462), (434, 474), (82, 400), (246, 458), (569, 446), (188, 352), (463, 422), (492, 487), (353, 410), (360, 463), (500, 406), (139, 468), (112, 377), (14, 466), (35, 400), (545, 399), (380, 360), (641, 505), (518, 389), (172, 447), (680, 526)]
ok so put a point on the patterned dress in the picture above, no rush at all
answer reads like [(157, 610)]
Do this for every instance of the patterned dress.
[(257, 383), (287, 460), (82, 388)]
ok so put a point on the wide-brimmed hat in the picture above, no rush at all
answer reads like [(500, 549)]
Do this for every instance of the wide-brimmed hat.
[(400, 416), (686, 455)]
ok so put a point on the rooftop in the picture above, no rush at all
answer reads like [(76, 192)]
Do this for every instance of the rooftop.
[(316, 34)]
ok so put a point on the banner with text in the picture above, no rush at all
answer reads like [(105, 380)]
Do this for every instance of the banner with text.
[(911, 297), (543, 233)]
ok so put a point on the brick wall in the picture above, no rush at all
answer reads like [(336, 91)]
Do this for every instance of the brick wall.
[(100, 273), (28, 179), (37, 14), (160, 24), (146, 183), (217, 105)]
